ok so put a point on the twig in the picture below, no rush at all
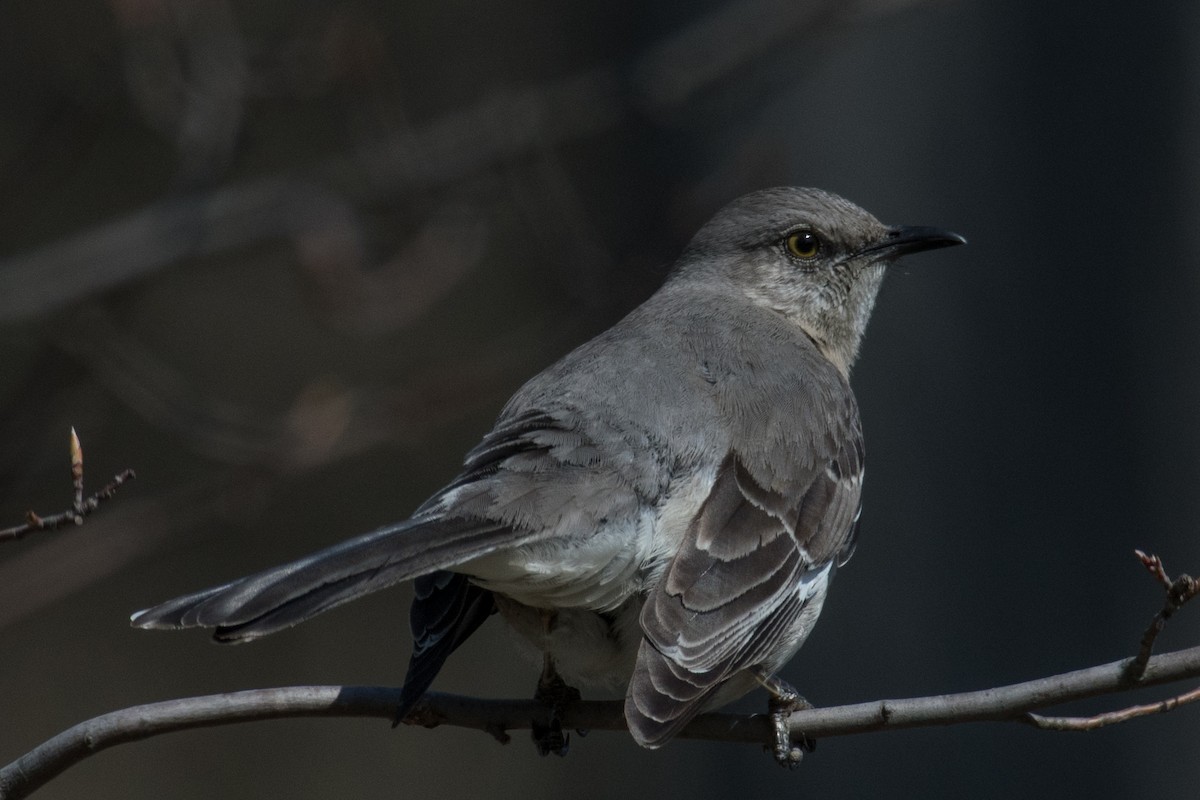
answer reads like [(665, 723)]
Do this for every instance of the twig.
[(1112, 717), (1179, 591), (1006, 703), (80, 507)]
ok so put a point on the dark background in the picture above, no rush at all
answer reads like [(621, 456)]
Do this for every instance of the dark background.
[(287, 260)]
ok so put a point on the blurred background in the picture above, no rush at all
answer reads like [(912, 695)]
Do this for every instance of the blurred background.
[(287, 261)]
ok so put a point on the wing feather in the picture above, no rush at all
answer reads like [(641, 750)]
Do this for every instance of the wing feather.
[(734, 595)]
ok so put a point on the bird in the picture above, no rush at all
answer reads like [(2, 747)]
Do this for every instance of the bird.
[(661, 511)]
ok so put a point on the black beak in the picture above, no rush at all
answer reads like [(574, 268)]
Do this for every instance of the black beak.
[(906, 239)]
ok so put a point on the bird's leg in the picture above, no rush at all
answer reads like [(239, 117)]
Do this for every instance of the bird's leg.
[(552, 691), (783, 701)]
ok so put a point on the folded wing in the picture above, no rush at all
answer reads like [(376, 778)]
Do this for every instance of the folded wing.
[(735, 596)]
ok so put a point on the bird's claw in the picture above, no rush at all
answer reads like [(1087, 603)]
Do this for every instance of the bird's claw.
[(553, 692), (551, 738), (784, 699), (788, 751)]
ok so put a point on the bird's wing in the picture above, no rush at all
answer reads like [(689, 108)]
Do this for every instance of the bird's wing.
[(499, 500), (752, 559)]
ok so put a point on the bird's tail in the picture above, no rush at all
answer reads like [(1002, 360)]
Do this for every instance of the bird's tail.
[(278, 598)]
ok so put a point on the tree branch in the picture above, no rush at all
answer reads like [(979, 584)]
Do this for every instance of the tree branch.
[(1012, 703), (1112, 717), (1007, 703), (1179, 591), (80, 507)]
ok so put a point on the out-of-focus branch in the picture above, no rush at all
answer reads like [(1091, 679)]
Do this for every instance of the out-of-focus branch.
[(144, 242), (328, 420), (186, 72), (80, 508), (504, 126)]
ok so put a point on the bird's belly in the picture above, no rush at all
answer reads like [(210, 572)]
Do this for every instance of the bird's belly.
[(589, 648)]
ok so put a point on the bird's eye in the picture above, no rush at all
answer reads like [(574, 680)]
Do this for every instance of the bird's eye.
[(803, 244)]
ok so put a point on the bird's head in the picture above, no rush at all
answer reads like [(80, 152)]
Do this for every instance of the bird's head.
[(809, 255)]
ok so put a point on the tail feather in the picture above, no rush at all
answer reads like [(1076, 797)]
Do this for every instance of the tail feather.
[(447, 608), (289, 594)]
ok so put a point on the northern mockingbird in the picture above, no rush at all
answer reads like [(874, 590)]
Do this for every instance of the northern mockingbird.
[(663, 509)]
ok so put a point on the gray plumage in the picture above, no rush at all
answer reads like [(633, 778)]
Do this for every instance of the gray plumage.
[(676, 493)]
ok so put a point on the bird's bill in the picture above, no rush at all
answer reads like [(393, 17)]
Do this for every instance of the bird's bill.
[(905, 239)]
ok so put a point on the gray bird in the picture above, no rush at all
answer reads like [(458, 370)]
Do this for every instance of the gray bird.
[(661, 511)]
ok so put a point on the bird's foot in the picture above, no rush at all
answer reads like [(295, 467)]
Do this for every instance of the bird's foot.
[(554, 693), (788, 750)]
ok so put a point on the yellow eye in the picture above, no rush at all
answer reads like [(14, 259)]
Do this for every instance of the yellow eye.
[(803, 244)]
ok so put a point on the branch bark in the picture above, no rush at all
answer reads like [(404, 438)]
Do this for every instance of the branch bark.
[(1013, 703)]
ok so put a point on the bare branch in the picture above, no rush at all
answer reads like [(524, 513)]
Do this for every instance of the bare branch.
[(1112, 717), (496, 717), (1179, 591), (80, 507)]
